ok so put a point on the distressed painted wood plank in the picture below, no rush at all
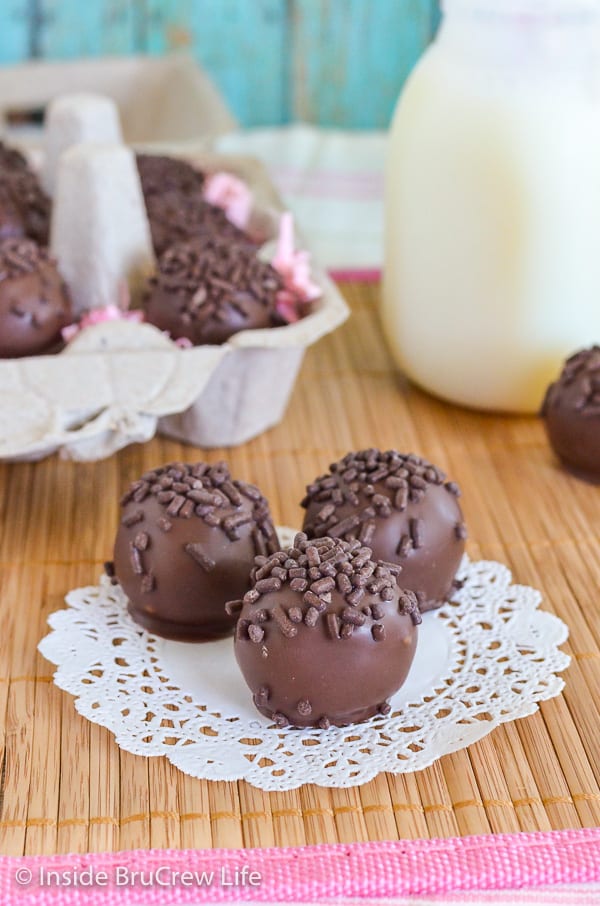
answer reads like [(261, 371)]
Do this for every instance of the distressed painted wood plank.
[(333, 62), (14, 31), (68, 29), (351, 57), (243, 46)]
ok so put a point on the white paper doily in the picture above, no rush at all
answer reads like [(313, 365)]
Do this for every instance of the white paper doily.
[(487, 657)]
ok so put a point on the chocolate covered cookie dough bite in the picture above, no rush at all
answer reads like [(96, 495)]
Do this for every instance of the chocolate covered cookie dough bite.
[(571, 414), (22, 191), (175, 204), (35, 303), (209, 289), (402, 507), (325, 634), (186, 545)]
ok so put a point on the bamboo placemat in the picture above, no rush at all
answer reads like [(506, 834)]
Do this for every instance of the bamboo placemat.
[(66, 787)]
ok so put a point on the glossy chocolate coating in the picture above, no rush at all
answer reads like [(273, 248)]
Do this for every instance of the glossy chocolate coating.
[(399, 505), (571, 413), (186, 544), (206, 291), (314, 658), (34, 302)]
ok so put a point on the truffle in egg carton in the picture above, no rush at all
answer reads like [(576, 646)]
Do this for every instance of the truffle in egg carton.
[(118, 380)]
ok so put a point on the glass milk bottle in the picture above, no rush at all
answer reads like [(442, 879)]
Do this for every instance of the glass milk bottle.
[(492, 260)]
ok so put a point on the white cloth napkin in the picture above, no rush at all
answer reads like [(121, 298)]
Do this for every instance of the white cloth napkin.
[(333, 182)]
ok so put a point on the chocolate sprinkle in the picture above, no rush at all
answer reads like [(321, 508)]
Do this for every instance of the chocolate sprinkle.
[(196, 553), (262, 696), (148, 583), (132, 518), (233, 608), (460, 530), (136, 560), (141, 541), (256, 633)]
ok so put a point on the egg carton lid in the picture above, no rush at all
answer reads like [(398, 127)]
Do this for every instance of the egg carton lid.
[(164, 99)]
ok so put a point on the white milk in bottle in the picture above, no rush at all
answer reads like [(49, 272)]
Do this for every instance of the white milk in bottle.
[(492, 261)]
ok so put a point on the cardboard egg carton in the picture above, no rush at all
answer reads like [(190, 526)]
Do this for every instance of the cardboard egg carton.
[(119, 382)]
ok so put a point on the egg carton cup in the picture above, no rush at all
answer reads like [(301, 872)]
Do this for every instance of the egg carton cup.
[(119, 382)]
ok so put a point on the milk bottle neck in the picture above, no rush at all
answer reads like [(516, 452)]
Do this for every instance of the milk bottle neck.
[(540, 13), (556, 36)]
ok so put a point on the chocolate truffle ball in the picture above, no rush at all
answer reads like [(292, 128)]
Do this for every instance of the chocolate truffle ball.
[(399, 505), (34, 205), (12, 223), (206, 291), (159, 174), (11, 159), (571, 413), (325, 635), (177, 211), (186, 545), (21, 191), (34, 302), (175, 217)]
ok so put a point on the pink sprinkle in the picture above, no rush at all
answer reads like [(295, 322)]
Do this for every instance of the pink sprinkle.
[(294, 267), (232, 195), (183, 343)]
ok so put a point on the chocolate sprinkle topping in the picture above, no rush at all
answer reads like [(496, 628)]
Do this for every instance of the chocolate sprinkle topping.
[(19, 257), (355, 574), (584, 368), (159, 174), (208, 288), (175, 217), (406, 477), (178, 486), (22, 190)]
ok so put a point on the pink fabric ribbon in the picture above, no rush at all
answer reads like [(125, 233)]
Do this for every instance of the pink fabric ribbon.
[(312, 874), (294, 266)]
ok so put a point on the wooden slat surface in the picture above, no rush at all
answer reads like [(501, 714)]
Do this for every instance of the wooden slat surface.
[(65, 786)]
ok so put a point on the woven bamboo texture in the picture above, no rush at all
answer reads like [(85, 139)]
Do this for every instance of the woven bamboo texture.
[(66, 787)]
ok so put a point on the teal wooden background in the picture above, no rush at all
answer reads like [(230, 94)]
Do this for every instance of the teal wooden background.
[(331, 62)]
